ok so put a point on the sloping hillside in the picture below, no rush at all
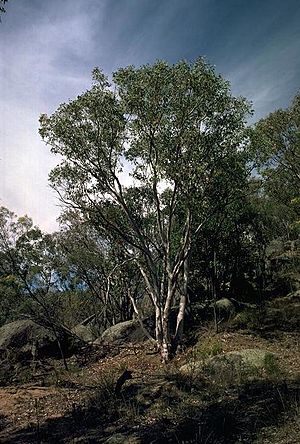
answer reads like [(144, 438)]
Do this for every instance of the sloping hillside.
[(161, 403)]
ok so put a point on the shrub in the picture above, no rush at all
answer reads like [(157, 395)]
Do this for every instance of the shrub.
[(271, 366), (250, 318), (207, 347)]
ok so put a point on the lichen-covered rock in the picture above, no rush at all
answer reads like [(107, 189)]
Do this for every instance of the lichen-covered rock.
[(118, 438), (84, 332), (225, 308), (238, 365), (25, 337), (128, 331), (292, 299), (234, 366), (192, 368), (283, 313), (22, 333)]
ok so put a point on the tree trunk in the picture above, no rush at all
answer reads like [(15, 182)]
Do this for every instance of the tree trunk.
[(167, 349), (214, 289), (182, 307), (158, 326), (166, 342)]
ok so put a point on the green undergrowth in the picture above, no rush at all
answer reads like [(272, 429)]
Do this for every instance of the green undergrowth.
[(206, 347), (14, 370), (171, 407), (249, 319), (175, 405)]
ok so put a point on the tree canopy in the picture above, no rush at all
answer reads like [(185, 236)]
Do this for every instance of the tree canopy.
[(276, 144), (180, 135)]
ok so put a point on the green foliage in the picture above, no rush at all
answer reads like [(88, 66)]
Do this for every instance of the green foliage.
[(181, 135), (207, 347), (250, 318), (183, 138), (276, 143), (271, 366)]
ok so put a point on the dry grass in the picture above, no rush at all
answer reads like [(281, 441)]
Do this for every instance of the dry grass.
[(157, 399)]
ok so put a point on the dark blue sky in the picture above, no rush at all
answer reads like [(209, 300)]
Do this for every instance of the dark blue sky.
[(48, 49)]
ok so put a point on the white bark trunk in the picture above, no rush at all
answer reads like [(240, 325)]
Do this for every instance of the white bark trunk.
[(182, 307)]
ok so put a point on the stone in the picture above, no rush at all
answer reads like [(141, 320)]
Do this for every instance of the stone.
[(123, 332), (233, 366), (84, 332), (29, 339), (237, 365), (193, 368), (283, 313), (225, 308)]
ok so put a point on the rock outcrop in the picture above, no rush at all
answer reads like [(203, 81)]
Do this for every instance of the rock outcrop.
[(84, 332), (225, 308), (27, 338), (123, 332), (234, 366)]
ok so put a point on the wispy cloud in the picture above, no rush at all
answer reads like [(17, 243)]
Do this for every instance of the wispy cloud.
[(269, 75), (48, 50), (34, 79)]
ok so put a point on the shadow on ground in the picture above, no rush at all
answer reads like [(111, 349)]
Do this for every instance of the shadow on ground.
[(235, 417), (3, 422)]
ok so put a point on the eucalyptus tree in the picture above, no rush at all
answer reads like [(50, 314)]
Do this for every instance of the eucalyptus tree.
[(10, 286), (276, 143), (176, 130), (276, 140), (90, 262), (28, 255), (27, 260)]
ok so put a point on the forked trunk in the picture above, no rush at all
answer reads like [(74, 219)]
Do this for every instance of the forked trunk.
[(162, 335)]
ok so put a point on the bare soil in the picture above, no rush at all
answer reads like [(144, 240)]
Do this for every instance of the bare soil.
[(27, 409)]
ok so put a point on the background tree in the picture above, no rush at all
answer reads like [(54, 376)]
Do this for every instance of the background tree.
[(10, 286), (276, 146), (27, 258), (93, 264)]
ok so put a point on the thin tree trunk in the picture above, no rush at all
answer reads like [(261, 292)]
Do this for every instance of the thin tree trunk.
[(135, 309), (166, 342), (166, 349), (214, 290), (182, 307), (158, 326)]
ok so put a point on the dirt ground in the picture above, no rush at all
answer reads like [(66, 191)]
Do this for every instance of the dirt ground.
[(30, 405)]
